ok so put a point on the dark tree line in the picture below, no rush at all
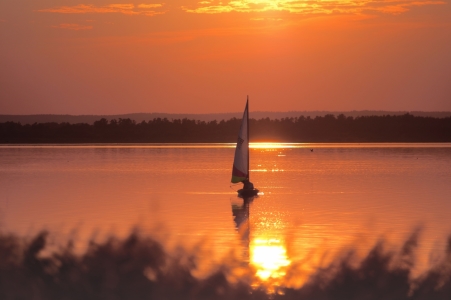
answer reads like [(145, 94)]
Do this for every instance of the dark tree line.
[(328, 128)]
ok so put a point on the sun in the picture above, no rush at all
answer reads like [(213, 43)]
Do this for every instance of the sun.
[(271, 145)]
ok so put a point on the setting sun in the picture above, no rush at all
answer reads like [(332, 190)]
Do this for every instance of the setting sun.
[(272, 145)]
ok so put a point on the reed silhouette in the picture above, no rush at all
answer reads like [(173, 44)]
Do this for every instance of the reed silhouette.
[(139, 267)]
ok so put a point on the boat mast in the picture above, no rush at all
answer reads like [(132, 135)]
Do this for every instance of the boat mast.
[(248, 139)]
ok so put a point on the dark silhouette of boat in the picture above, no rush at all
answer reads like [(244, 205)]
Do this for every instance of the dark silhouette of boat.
[(240, 171)]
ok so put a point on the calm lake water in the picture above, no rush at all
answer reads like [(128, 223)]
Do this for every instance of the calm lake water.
[(316, 200)]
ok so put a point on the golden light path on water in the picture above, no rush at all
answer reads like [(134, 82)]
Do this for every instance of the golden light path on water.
[(269, 256), (268, 253)]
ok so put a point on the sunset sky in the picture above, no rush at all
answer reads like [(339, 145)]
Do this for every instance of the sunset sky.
[(185, 56)]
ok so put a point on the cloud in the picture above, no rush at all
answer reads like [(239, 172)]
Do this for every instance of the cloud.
[(309, 6), (267, 19), (304, 7), (73, 26), (153, 5), (126, 9)]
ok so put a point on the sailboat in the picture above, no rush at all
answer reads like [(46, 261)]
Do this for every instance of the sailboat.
[(240, 171)]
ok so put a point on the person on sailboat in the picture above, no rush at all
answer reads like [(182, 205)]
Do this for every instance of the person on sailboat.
[(248, 185)]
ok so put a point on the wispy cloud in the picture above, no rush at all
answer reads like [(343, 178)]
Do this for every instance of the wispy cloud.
[(73, 26), (309, 6), (126, 8), (267, 19)]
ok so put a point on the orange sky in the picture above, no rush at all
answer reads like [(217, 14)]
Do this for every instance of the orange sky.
[(184, 56)]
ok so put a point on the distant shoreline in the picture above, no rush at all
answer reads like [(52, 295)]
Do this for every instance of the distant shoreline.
[(321, 129), (139, 117)]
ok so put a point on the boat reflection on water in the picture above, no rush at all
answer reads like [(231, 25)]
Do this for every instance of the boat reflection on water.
[(264, 252), (240, 211)]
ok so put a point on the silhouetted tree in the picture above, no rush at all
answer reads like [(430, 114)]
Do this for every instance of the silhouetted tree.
[(328, 128)]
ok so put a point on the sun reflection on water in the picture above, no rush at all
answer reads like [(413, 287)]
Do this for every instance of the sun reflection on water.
[(269, 257)]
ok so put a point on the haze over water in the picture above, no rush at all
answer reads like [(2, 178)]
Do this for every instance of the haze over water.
[(317, 201)]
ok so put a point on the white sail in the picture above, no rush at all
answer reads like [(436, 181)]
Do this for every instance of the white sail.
[(241, 162)]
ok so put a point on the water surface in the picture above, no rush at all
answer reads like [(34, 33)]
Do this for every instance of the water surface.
[(316, 199)]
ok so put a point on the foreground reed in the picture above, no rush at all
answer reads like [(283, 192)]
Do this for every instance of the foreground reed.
[(140, 267)]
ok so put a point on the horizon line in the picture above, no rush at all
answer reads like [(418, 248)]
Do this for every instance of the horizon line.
[(237, 112)]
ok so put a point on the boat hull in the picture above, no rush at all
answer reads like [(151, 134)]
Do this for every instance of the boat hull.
[(247, 192)]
